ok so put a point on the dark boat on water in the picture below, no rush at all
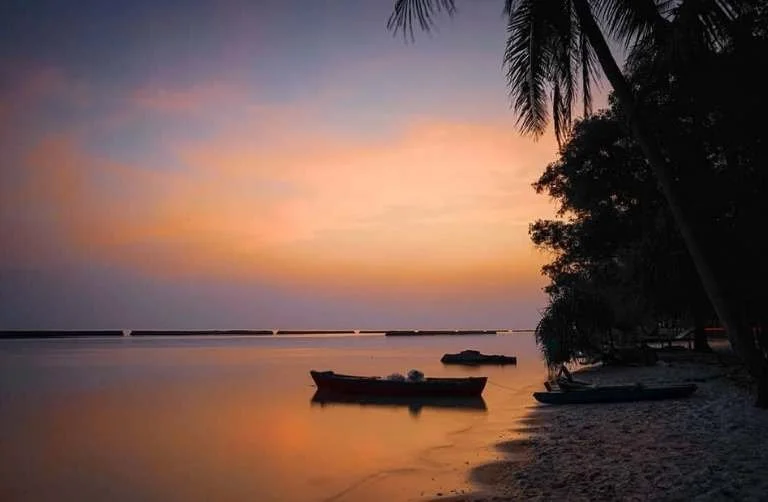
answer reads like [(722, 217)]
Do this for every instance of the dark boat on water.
[(413, 403), (615, 393), (377, 386), (474, 358)]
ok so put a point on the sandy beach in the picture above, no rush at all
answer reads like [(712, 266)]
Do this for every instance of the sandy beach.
[(712, 446)]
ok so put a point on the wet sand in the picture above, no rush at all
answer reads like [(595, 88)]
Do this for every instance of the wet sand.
[(712, 446)]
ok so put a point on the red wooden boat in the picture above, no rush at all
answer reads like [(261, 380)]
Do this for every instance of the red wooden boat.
[(377, 386)]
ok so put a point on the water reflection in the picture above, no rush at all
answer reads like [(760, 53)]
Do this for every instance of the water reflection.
[(195, 419), (414, 404)]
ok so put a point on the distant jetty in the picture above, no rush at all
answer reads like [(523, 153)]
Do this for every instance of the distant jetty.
[(84, 333), (114, 333), (315, 331), (44, 333), (439, 332), (205, 332)]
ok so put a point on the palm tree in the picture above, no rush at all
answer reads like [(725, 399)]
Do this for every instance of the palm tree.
[(556, 46)]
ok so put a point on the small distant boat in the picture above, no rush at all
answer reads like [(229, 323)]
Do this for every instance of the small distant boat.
[(615, 393), (474, 357), (377, 386)]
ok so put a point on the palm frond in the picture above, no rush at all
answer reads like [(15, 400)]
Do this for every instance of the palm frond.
[(588, 64), (647, 56), (691, 30), (406, 13), (699, 27), (709, 21), (559, 115), (547, 57), (527, 59), (564, 68), (631, 20)]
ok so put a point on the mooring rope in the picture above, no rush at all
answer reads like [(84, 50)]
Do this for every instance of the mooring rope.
[(502, 386)]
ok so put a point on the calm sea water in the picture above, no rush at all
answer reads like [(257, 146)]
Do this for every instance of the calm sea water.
[(229, 419)]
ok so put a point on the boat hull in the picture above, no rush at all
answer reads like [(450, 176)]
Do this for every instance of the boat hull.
[(615, 394), (375, 386)]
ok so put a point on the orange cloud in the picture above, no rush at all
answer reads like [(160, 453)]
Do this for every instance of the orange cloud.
[(439, 207)]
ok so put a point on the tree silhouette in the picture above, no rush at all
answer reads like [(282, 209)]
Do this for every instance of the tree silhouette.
[(619, 256)]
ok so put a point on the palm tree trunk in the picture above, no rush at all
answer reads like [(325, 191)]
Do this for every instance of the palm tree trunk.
[(725, 305)]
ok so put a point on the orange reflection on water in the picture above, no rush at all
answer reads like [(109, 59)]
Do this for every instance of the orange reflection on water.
[(234, 421)]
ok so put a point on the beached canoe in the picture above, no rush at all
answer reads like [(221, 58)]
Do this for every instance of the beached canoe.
[(473, 358), (616, 394), (565, 385), (377, 386)]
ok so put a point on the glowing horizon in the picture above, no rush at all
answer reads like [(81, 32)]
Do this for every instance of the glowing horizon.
[(352, 186)]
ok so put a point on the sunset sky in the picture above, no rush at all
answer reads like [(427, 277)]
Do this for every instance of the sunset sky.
[(261, 164)]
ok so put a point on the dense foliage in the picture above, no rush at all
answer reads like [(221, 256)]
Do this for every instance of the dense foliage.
[(616, 244), (620, 266)]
